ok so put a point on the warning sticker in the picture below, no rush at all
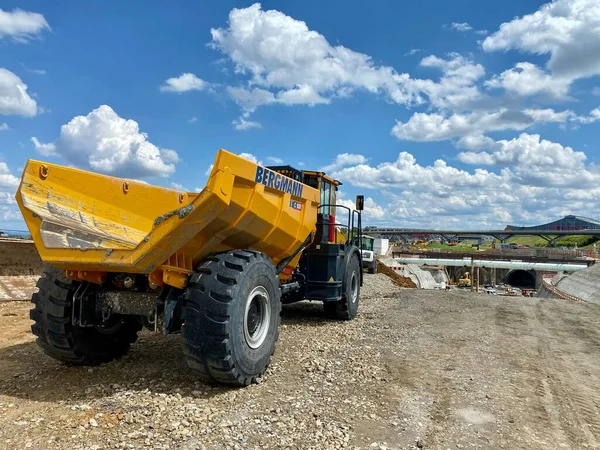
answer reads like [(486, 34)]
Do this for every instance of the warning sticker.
[(296, 205), (331, 280)]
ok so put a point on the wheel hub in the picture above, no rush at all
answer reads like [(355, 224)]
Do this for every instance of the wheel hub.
[(257, 317)]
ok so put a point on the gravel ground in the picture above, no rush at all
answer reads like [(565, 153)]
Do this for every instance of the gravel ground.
[(416, 369)]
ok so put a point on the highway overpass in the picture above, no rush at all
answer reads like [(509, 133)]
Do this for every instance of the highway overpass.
[(502, 235)]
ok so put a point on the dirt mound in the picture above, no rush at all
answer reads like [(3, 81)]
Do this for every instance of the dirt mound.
[(399, 280)]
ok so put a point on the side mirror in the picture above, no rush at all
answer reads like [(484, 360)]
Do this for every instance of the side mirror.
[(360, 202)]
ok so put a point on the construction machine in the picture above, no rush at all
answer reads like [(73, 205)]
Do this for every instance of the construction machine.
[(214, 266), (465, 280)]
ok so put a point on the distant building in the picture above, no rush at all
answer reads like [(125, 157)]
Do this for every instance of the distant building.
[(567, 223)]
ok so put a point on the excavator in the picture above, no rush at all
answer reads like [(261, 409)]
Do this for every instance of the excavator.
[(214, 266)]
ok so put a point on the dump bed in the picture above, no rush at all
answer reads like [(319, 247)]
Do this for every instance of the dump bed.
[(90, 224)]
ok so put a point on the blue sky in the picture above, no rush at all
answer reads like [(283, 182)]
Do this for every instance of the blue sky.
[(461, 113)]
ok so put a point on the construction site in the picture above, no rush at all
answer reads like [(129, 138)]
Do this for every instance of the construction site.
[(258, 313), (429, 362)]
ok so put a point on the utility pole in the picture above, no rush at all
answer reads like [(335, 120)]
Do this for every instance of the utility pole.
[(472, 274)]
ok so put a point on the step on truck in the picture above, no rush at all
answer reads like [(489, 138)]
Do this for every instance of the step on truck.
[(214, 266)]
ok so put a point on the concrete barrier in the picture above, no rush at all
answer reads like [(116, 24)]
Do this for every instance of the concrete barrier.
[(20, 267)]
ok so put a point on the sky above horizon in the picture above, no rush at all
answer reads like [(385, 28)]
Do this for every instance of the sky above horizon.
[(444, 114)]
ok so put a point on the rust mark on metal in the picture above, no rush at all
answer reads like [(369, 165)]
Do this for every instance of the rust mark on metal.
[(181, 213)]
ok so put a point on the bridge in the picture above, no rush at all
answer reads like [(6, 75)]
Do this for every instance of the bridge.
[(551, 236)]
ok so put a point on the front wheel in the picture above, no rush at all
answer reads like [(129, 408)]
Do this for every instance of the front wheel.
[(347, 307), (232, 317)]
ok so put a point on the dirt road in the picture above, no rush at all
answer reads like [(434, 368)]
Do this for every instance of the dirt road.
[(417, 369)]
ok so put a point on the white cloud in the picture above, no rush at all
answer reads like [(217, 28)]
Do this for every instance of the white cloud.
[(250, 157), (48, 149), (412, 51), (462, 26), (8, 182), (528, 151), (193, 120), (281, 53), (457, 87), (475, 142), (594, 116), (21, 25), (371, 209), (104, 142), (437, 127), (8, 185), (183, 83), (243, 124), (343, 160), (14, 99), (549, 115), (527, 79), (482, 32), (275, 160), (537, 179), (567, 30), (4, 126), (178, 186)]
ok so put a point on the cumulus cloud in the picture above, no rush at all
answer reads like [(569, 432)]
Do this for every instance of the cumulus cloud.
[(44, 149), (437, 127), (536, 177), (412, 51), (275, 160), (4, 126), (8, 185), (243, 124), (566, 30), (21, 26), (371, 209), (14, 99), (527, 150), (462, 26), (104, 142), (183, 83), (527, 79), (343, 160), (297, 64)]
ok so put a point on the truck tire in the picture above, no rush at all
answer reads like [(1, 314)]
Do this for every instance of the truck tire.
[(347, 307), (232, 317), (373, 267), (80, 346)]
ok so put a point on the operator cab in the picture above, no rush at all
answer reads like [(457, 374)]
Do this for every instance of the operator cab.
[(327, 231)]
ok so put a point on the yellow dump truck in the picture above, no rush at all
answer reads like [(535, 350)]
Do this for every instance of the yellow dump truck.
[(215, 265)]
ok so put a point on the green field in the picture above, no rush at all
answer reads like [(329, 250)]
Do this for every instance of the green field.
[(530, 241)]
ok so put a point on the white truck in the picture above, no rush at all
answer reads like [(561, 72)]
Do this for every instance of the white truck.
[(369, 257)]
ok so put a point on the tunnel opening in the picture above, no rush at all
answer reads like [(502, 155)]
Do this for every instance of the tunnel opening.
[(521, 278)]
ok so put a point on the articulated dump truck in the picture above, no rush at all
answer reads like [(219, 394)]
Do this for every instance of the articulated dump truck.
[(214, 266)]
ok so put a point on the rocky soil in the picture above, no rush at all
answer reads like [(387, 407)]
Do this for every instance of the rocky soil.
[(416, 369)]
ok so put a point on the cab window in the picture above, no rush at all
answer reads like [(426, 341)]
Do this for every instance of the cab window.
[(325, 196)]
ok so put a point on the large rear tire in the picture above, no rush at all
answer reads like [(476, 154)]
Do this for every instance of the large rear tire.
[(232, 317), (81, 346), (347, 307)]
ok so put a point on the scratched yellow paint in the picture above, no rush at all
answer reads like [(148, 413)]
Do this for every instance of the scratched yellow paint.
[(87, 221)]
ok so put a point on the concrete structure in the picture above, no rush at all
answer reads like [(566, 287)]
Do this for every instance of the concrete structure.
[(584, 285), (381, 246), (502, 235)]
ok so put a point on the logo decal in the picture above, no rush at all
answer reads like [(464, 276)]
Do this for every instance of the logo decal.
[(296, 205), (278, 181)]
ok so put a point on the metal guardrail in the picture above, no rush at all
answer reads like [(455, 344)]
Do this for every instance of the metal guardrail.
[(562, 294)]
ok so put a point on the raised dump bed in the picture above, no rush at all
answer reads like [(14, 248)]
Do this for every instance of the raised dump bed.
[(213, 265), (86, 222)]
